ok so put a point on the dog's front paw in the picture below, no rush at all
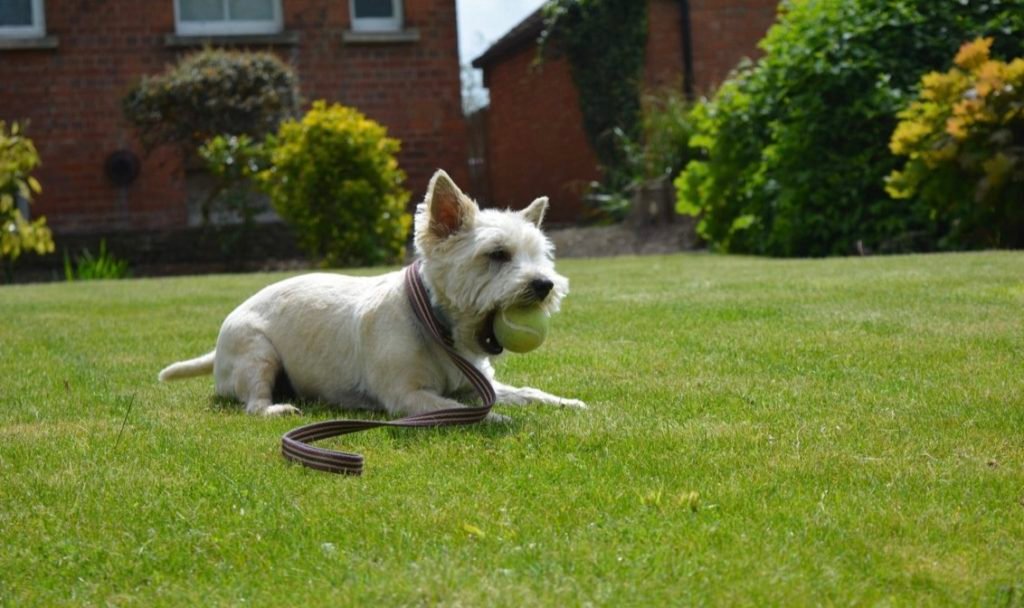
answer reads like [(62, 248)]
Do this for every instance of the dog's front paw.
[(574, 404), (282, 409)]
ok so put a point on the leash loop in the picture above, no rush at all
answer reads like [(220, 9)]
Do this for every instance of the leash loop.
[(296, 444)]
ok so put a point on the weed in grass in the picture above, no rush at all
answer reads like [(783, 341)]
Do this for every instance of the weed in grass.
[(89, 267)]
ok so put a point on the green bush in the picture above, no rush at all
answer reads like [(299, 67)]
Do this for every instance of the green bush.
[(964, 142), (234, 162), (334, 178), (213, 92), (795, 145), (660, 150), (18, 157), (666, 131), (662, 147)]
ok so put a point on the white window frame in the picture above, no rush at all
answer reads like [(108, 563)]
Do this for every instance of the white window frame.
[(36, 30), (376, 24), (228, 27)]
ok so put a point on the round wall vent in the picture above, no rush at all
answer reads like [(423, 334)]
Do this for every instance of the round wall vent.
[(121, 167)]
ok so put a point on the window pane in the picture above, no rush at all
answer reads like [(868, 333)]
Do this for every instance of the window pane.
[(202, 10), (251, 10), (15, 12), (375, 9)]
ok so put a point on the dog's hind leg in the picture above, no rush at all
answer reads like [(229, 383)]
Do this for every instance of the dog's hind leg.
[(249, 372)]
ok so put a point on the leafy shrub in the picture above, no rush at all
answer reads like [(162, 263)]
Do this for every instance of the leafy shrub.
[(665, 129), (659, 151), (334, 178), (964, 139), (662, 147), (234, 162), (89, 267), (18, 157), (213, 92), (795, 144)]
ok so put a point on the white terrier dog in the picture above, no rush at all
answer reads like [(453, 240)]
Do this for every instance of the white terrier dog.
[(355, 342)]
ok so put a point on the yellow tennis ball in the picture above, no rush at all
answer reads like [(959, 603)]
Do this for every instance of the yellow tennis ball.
[(521, 328)]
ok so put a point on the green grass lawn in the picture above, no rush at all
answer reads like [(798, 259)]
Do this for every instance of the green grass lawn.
[(844, 431)]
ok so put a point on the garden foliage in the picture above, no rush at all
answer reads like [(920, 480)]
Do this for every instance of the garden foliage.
[(334, 178), (18, 157), (213, 92), (659, 150), (234, 162), (964, 139), (795, 144), (665, 130)]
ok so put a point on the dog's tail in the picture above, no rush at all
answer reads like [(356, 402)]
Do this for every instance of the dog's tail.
[(186, 369)]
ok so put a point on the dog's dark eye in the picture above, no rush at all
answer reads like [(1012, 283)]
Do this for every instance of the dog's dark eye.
[(499, 255)]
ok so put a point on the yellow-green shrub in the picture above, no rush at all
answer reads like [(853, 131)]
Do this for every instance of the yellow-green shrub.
[(18, 157), (964, 139), (334, 178)]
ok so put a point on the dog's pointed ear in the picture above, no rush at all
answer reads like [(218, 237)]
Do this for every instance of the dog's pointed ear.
[(535, 212), (450, 210)]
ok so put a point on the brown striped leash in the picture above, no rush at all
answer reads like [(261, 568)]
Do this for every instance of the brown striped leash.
[(296, 443)]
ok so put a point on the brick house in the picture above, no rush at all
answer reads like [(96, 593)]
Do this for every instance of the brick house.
[(535, 138), (66, 64)]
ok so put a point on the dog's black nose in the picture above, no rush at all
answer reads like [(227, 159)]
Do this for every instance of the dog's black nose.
[(541, 288)]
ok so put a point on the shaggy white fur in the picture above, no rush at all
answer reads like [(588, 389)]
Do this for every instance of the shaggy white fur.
[(355, 342)]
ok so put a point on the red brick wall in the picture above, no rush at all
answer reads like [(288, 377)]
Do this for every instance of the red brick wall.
[(411, 88), (71, 97), (664, 56), (724, 32), (536, 145)]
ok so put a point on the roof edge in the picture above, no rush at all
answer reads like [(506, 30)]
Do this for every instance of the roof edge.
[(526, 32)]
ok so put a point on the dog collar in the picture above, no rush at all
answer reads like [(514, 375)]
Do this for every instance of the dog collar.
[(435, 313)]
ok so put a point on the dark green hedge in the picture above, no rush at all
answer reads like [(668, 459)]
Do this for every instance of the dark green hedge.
[(213, 92)]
